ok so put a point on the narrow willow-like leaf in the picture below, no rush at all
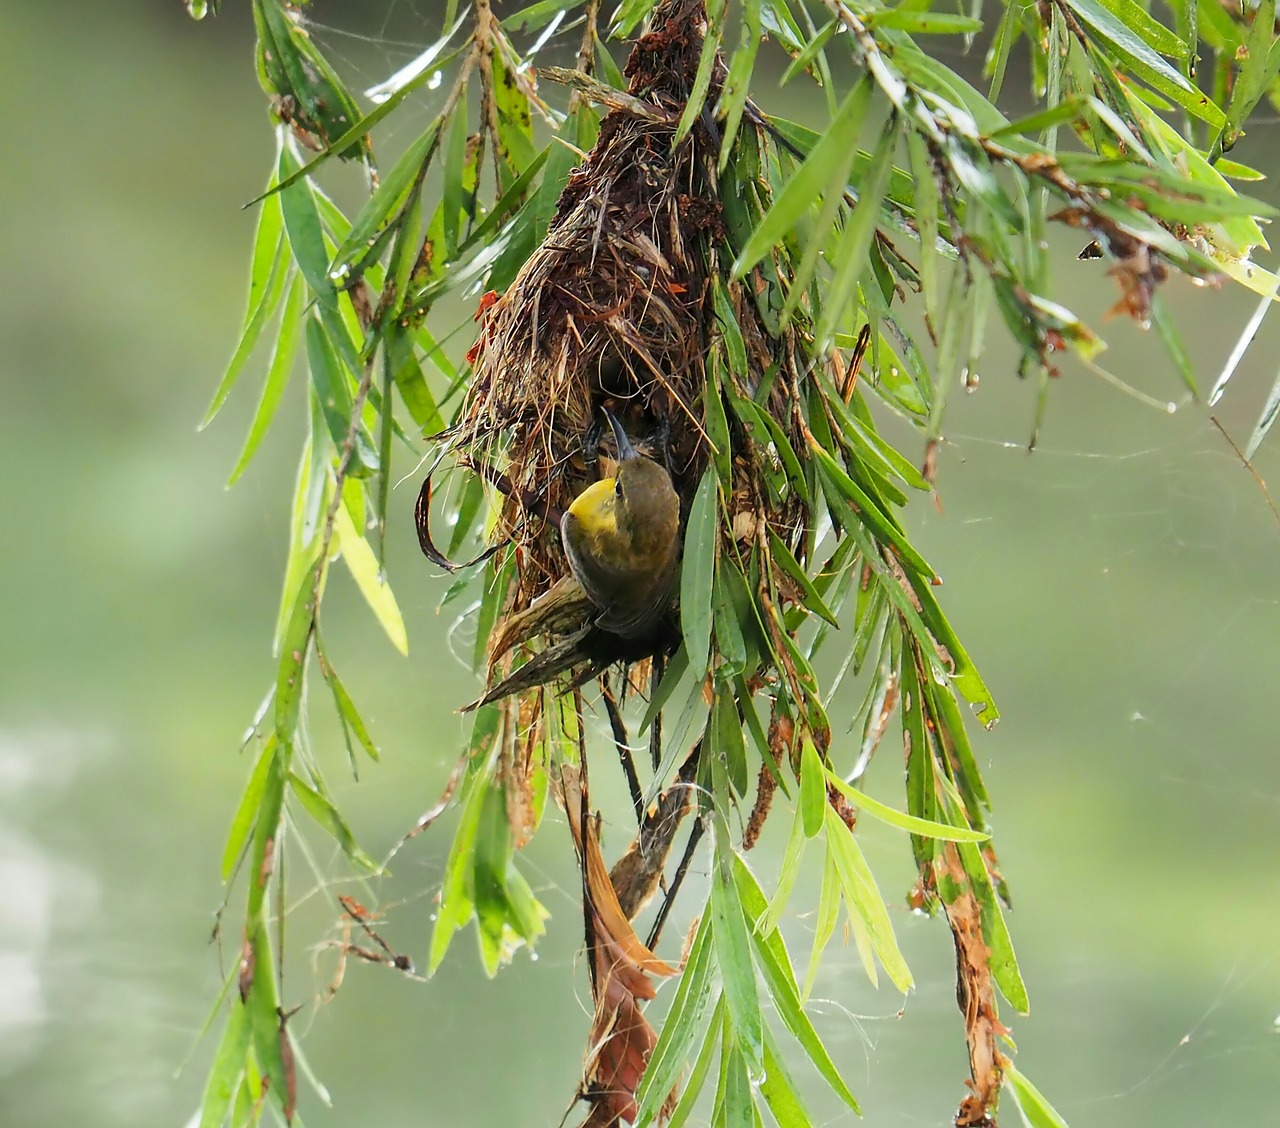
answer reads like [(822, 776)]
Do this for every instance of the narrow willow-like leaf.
[(995, 929), (779, 1090), (266, 1024), (701, 1067), (706, 67), (1269, 412), (859, 230), (242, 823), (278, 372), (775, 966), (457, 903), (267, 827), (1145, 63), (330, 819), (681, 1025), (866, 511), (698, 571), (331, 384), (923, 23), (385, 207), (813, 788), (361, 562), (515, 125), (268, 273), (894, 817), (227, 1070), (825, 926), (728, 740), (864, 897), (293, 656), (820, 174), (303, 229), (733, 955), (736, 1104), (1036, 1111), (737, 84)]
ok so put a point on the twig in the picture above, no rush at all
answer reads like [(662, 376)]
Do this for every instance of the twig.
[(623, 745), (605, 95), (1248, 466)]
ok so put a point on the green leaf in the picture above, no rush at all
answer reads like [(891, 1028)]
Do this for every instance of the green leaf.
[(730, 641), (995, 930), (227, 1070), (775, 965), (680, 1027), (293, 655), (330, 820), (1269, 412), (779, 1090), (282, 358), (851, 256), (698, 571), (736, 1105), (384, 209), (825, 926), (331, 383), (730, 330), (701, 1067), (457, 894), (789, 872), (348, 714), (868, 513), (306, 236), (863, 895), (1257, 71), (728, 742), (702, 78), (246, 816), (1036, 1111), (813, 787), (823, 172), (1150, 30), (515, 124), (782, 556), (1145, 63), (268, 272), (757, 420), (737, 82), (733, 955), (363, 566), (388, 95), (266, 1022), (922, 22), (894, 817)]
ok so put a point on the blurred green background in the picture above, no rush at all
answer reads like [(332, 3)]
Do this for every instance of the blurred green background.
[(1119, 588)]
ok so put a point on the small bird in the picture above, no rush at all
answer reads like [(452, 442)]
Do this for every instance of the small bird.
[(621, 536)]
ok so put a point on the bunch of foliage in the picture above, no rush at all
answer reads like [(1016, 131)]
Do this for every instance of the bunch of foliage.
[(750, 287)]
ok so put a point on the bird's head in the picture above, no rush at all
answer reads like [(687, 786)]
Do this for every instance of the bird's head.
[(638, 503)]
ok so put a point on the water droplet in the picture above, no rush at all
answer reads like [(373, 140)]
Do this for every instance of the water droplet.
[(433, 83)]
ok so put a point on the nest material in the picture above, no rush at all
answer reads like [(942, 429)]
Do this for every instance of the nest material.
[(610, 309), (615, 309)]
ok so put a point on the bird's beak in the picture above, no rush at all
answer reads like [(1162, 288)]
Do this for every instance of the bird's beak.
[(625, 449)]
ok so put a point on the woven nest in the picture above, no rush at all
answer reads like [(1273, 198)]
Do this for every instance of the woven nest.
[(613, 309)]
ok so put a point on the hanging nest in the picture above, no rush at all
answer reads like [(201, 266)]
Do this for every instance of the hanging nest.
[(614, 309)]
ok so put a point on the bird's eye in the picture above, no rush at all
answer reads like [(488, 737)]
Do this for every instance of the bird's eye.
[(617, 487)]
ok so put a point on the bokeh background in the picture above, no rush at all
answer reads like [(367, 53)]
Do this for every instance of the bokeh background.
[(1120, 589)]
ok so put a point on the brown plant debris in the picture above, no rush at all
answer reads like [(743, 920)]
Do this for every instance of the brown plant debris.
[(975, 994), (622, 971)]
